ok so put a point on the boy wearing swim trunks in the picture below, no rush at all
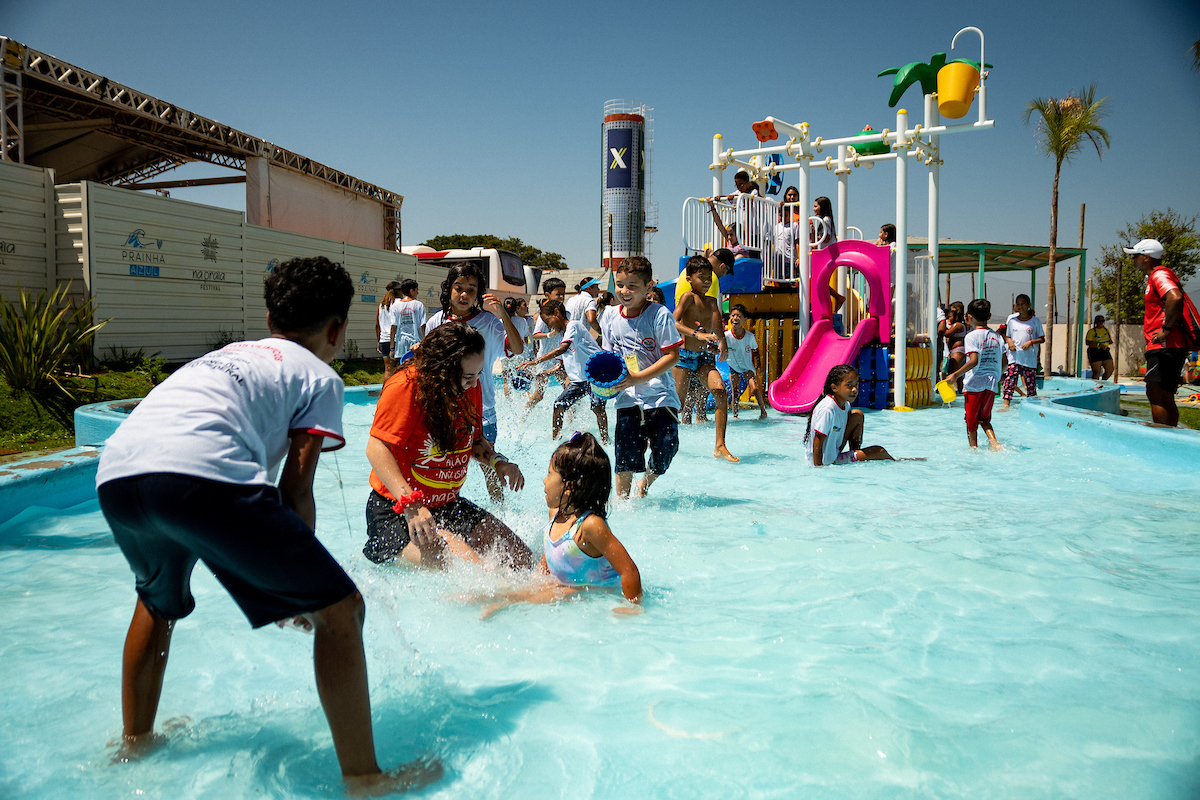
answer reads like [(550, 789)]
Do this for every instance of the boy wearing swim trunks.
[(191, 475), (644, 334), (698, 317)]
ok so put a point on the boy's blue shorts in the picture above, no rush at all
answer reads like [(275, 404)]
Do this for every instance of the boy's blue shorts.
[(264, 555), (574, 392), (637, 427)]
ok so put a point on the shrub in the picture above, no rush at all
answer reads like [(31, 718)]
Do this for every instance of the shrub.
[(37, 335)]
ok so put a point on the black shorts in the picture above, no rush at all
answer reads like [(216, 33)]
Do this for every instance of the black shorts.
[(387, 531), (1096, 355), (638, 427), (386, 349), (1164, 366), (574, 393), (264, 555)]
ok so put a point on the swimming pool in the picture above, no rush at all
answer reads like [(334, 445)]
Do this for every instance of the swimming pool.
[(1024, 623)]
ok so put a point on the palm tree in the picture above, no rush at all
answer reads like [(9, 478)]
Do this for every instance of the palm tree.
[(1064, 127)]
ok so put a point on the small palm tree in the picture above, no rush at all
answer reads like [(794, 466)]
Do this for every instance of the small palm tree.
[(1064, 127)]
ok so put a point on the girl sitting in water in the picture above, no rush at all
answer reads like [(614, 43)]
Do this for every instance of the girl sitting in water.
[(581, 552), (833, 424)]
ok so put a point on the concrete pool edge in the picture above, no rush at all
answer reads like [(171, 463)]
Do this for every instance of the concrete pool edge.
[(68, 477), (1091, 415)]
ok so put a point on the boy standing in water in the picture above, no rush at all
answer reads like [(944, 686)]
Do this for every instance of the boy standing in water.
[(554, 289), (644, 334), (698, 313), (191, 474), (743, 360), (984, 349)]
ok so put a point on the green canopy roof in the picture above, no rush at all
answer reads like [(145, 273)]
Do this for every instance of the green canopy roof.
[(957, 255)]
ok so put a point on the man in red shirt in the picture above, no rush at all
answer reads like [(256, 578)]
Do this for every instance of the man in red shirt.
[(1166, 345)]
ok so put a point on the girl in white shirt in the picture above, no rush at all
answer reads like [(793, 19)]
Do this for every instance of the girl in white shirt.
[(833, 424)]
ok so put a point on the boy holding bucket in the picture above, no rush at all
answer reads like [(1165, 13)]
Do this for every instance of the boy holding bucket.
[(644, 334), (577, 347)]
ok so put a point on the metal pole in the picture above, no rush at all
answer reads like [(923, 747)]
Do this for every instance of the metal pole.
[(718, 172), (982, 258), (900, 290), (1117, 327), (931, 119), (1080, 313), (843, 195), (803, 255)]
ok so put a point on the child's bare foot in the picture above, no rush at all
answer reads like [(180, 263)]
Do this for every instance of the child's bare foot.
[(134, 748), (996, 446), (763, 415), (1003, 407), (413, 775), (640, 489), (721, 451)]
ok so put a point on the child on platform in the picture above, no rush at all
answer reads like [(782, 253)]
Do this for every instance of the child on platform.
[(191, 475), (644, 334), (984, 349), (1022, 331), (743, 360), (698, 313), (833, 424), (580, 551), (576, 348)]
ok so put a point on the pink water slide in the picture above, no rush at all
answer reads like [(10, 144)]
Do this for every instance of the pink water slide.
[(799, 388)]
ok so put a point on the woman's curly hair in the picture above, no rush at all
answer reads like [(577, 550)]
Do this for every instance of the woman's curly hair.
[(438, 365)]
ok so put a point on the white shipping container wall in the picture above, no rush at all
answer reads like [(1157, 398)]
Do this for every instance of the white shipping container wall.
[(167, 272), (262, 249), (26, 229), (372, 270)]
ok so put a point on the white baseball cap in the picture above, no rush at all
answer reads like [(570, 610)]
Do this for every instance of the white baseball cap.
[(1146, 247)]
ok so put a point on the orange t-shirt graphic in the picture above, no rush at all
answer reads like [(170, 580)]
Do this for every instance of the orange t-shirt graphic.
[(400, 423)]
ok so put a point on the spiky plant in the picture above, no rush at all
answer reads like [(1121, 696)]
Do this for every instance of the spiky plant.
[(37, 334), (1064, 127)]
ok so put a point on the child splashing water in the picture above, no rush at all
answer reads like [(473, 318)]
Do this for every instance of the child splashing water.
[(833, 424), (581, 552)]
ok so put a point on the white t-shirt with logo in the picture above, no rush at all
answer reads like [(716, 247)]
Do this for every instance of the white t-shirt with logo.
[(990, 346), (648, 336), (829, 419), (410, 319), (583, 347), (495, 346), (229, 415), (1022, 331), (741, 351)]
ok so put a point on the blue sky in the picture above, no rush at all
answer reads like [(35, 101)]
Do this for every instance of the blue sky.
[(486, 117)]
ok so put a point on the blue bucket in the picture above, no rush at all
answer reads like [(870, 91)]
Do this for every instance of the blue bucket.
[(520, 380), (604, 370)]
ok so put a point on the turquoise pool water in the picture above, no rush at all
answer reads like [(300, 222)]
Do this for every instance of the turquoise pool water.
[(1023, 623)]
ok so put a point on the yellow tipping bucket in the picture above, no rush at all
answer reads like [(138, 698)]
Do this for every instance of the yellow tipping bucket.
[(946, 391), (956, 84)]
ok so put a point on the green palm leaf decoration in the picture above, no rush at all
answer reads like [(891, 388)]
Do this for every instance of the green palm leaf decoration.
[(919, 72)]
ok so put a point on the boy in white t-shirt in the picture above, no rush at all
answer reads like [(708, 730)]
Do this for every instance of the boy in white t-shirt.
[(576, 348), (410, 318), (583, 305), (743, 360), (985, 349), (190, 475), (1022, 333), (547, 340), (644, 334)]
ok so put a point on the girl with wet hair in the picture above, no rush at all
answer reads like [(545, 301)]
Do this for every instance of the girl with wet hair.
[(428, 426), (581, 553)]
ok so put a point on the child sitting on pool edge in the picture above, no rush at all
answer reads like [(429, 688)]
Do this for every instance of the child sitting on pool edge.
[(984, 349), (580, 551), (833, 424), (191, 475)]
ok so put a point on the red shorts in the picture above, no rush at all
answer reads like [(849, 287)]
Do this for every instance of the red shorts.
[(979, 407)]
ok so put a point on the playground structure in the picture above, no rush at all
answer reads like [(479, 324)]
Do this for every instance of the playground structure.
[(754, 217)]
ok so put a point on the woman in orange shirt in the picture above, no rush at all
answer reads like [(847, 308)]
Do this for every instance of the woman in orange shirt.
[(428, 426)]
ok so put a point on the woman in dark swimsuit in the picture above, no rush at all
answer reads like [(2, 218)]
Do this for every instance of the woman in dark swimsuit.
[(956, 333)]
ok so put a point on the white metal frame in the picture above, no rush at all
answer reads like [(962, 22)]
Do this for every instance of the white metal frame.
[(919, 142)]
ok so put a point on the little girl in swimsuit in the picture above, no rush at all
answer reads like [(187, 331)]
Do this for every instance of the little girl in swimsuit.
[(581, 553), (956, 334)]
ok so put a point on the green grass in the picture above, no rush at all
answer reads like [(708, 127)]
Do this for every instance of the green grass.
[(26, 425), (1188, 417)]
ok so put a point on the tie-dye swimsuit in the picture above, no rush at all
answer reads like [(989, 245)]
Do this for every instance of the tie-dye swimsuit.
[(570, 566)]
